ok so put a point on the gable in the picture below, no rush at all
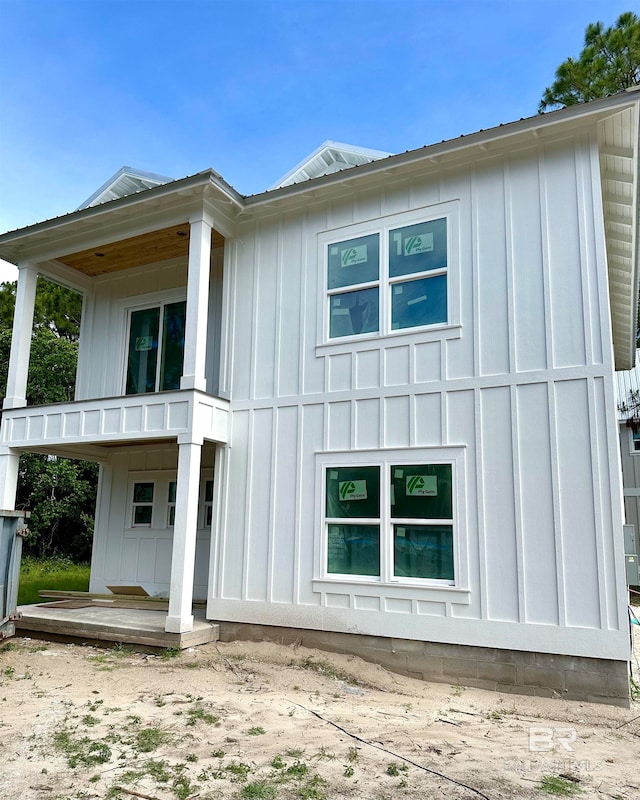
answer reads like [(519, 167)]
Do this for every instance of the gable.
[(330, 157), (126, 181)]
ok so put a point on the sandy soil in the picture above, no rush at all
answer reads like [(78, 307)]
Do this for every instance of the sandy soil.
[(258, 721)]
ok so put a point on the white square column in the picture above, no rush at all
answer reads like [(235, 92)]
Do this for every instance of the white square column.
[(180, 619), (9, 463), (16, 394), (195, 334)]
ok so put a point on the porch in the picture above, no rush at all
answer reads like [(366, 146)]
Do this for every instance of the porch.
[(117, 620)]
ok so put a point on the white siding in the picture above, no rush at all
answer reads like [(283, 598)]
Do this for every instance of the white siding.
[(524, 387), (123, 554)]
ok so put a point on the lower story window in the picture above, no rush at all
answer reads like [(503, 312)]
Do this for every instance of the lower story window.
[(395, 519), (142, 504)]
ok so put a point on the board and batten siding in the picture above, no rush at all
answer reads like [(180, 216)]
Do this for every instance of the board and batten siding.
[(104, 335), (141, 556), (524, 387)]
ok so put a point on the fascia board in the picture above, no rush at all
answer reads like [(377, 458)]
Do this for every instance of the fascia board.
[(41, 233), (566, 117)]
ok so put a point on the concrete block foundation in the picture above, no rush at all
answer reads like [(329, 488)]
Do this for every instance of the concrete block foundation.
[(596, 680)]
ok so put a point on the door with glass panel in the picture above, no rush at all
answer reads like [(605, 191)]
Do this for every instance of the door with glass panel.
[(156, 348)]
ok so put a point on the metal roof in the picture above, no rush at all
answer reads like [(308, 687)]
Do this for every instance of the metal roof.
[(614, 118)]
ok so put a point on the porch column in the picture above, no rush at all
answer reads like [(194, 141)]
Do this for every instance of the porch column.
[(16, 393), (195, 334), (9, 461), (180, 618)]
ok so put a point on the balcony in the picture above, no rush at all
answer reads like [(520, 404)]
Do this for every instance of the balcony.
[(186, 413)]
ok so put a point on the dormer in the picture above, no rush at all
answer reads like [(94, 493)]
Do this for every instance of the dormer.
[(330, 157)]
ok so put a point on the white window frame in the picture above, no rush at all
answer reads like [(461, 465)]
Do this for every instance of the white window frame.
[(161, 479), (385, 459), (448, 210), (142, 303), (633, 450), (133, 504), (171, 503)]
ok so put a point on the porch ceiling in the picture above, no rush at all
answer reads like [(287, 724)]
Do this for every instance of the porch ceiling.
[(138, 251)]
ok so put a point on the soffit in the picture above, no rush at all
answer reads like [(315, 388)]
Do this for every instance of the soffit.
[(137, 251), (618, 139)]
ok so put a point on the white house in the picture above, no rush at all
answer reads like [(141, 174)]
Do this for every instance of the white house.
[(373, 408)]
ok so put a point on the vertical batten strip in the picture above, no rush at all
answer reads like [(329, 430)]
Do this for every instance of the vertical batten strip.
[(298, 507), (580, 148), (248, 505), (277, 354), (557, 517), (475, 260), (306, 242), (544, 239), (275, 473), (255, 269), (518, 511), (509, 264), (482, 542), (599, 525)]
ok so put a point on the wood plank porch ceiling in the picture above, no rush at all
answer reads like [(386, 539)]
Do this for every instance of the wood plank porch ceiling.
[(138, 251)]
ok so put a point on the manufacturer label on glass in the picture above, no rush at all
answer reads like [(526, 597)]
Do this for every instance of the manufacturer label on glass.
[(413, 245), (353, 255), (422, 486), (144, 343), (352, 490)]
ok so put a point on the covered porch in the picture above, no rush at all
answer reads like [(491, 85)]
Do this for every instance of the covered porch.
[(118, 619)]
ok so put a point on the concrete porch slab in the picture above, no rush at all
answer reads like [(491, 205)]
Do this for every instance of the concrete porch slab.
[(125, 625)]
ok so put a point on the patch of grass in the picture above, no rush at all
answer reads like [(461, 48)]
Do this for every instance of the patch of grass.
[(395, 769), (237, 771), (149, 739), (298, 770), (50, 573), (315, 789), (328, 670), (80, 750), (199, 714), (259, 790), (170, 652), (258, 730), (182, 787), (561, 787)]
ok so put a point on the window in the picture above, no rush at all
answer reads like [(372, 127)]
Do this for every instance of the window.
[(156, 348), (171, 504), (635, 441), (142, 504), (391, 280), (208, 503), (393, 521)]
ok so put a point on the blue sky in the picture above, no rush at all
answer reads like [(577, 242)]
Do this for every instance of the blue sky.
[(250, 88)]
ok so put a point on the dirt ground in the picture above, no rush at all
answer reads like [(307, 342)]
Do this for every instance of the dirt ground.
[(253, 721)]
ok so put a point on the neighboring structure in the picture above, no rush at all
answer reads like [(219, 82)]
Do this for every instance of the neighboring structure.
[(374, 410), (628, 393)]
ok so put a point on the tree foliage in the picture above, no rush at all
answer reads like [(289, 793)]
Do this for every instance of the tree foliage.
[(608, 63), (60, 493)]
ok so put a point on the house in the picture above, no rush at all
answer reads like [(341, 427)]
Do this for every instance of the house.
[(628, 394), (372, 409)]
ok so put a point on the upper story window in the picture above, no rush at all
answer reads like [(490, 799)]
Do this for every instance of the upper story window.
[(156, 348), (393, 279)]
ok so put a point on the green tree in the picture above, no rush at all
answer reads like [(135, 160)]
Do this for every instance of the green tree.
[(608, 63), (60, 493)]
